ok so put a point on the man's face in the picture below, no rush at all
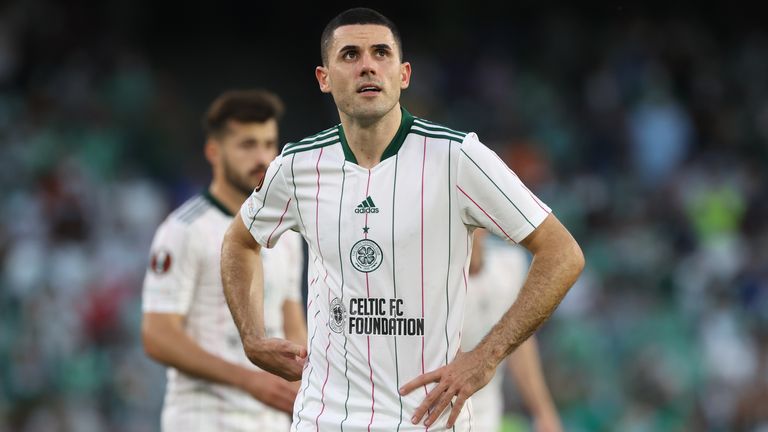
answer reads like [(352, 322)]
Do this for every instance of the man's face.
[(245, 151), (364, 71)]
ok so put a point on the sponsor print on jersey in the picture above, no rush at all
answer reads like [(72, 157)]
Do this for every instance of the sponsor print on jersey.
[(367, 206), (366, 255), (374, 316), (160, 262)]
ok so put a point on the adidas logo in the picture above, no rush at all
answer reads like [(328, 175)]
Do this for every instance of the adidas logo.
[(367, 206)]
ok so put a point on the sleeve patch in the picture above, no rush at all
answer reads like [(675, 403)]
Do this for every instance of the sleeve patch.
[(161, 261)]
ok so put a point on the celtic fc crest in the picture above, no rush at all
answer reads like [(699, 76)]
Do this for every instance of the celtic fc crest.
[(337, 316), (366, 255)]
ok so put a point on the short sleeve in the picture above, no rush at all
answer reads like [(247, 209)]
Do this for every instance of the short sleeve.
[(491, 195), (268, 212), (169, 281)]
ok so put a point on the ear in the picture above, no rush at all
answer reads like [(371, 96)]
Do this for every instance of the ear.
[(405, 75), (211, 151), (321, 73)]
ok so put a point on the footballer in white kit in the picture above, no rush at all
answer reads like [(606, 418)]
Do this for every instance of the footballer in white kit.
[(387, 204), (389, 249), (183, 278), (187, 326)]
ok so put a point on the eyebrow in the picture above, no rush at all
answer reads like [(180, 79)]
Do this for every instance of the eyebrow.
[(356, 47)]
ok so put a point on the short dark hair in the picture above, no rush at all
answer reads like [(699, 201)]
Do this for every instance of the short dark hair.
[(245, 106), (354, 16)]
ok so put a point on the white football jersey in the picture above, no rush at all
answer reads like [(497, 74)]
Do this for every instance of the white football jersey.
[(389, 248), (184, 278), (492, 290)]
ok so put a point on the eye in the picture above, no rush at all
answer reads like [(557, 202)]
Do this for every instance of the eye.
[(381, 52), (349, 55)]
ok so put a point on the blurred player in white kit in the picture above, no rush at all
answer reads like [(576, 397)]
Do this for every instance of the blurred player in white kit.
[(187, 326)]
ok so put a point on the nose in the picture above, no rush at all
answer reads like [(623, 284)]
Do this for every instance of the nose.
[(264, 157), (367, 65)]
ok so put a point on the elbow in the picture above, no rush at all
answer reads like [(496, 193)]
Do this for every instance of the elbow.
[(578, 258), (150, 343), (575, 260)]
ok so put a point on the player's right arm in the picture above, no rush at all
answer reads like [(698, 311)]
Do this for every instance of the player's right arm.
[(243, 277), (167, 296), (268, 215)]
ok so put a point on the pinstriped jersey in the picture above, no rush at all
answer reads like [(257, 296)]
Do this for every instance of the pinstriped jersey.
[(184, 278), (389, 249)]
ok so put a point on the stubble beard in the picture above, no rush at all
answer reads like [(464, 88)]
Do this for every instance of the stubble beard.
[(367, 113), (239, 182)]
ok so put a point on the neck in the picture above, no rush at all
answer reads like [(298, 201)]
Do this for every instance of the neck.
[(227, 195), (368, 140)]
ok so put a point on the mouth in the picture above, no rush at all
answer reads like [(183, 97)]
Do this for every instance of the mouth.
[(258, 172), (369, 89)]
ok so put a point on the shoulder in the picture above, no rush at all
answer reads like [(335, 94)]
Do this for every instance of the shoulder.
[(189, 211), (186, 215), (324, 138), (430, 129)]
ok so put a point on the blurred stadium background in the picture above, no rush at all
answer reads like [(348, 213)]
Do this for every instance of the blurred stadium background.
[(645, 129)]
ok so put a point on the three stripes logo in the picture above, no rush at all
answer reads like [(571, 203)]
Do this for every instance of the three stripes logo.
[(367, 206)]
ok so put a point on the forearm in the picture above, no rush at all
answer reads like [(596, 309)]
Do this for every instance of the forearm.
[(174, 348), (242, 278), (525, 366), (553, 270)]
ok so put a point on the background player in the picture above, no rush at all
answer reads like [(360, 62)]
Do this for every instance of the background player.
[(496, 274), (186, 325)]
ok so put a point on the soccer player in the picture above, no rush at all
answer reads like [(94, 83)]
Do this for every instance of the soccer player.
[(495, 277), (211, 384), (387, 204)]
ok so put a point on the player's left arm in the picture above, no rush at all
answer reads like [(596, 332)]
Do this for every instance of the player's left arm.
[(557, 263), (490, 195)]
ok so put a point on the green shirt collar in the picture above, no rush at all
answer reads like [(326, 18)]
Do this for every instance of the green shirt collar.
[(216, 203), (394, 145)]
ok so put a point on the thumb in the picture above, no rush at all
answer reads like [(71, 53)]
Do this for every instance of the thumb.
[(288, 347), (302, 352)]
